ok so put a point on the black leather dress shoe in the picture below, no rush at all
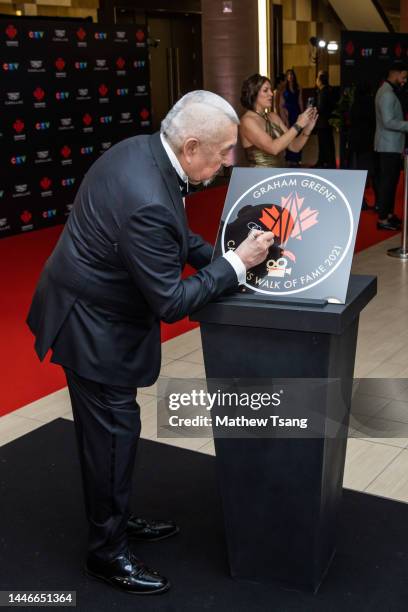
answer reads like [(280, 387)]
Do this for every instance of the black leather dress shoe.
[(394, 220), (387, 225), (127, 573), (148, 530)]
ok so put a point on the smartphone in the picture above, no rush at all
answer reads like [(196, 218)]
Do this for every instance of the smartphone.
[(310, 102)]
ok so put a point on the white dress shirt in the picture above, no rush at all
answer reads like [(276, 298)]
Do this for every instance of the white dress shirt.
[(230, 256)]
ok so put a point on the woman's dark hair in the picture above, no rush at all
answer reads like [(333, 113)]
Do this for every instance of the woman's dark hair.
[(295, 81), (250, 89), (324, 78)]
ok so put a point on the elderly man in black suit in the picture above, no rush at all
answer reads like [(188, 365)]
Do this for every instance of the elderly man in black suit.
[(113, 276)]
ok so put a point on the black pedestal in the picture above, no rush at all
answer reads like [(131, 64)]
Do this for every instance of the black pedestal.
[(281, 496)]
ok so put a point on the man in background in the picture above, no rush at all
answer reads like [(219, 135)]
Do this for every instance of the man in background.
[(389, 144), (324, 104)]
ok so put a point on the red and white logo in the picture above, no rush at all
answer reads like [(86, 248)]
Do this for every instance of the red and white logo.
[(18, 126), (349, 48), (120, 63), (26, 216), (87, 119), (65, 151), (398, 50), (103, 90), (140, 36), (45, 183), (81, 34), (39, 94), (11, 32), (60, 64), (144, 114)]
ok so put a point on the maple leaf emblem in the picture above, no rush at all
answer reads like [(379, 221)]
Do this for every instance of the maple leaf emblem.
[(289, 220)]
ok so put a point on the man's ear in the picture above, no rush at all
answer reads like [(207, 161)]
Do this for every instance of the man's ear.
[(190, 148)]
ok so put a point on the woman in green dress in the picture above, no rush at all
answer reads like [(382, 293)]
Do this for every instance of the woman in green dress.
[(264, 136)]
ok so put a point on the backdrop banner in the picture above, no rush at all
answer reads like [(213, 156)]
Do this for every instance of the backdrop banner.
[(68, 92)]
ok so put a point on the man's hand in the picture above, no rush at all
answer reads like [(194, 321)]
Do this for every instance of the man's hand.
[(254, 249)]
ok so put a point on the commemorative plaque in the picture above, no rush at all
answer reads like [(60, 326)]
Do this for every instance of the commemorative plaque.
[(314, 218)]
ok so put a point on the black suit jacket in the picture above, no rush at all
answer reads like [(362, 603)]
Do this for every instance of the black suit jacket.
[(116, 270)]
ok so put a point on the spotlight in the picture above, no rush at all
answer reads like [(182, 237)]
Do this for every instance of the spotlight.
[(321, 43), (332, 46)]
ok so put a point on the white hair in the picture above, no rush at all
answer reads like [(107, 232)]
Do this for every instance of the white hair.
[(199, 114)]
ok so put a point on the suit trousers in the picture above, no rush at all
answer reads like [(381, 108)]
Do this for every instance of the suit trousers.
[(389, 168), (107, 426), (327, 153)]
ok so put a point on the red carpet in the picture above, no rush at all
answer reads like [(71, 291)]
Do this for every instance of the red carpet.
[(24, 378)]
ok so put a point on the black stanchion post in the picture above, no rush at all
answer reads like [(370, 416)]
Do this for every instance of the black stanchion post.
[(401, 251)]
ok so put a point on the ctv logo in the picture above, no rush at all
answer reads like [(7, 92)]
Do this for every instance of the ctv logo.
[(48, 214), (366, 52), (106, 119), (101, 35), (122, 92), (86, 150), (35, 35), (42, 125), (81, 65), (68, 182), (62, 95), (18, 160), (10, 67), (139, 63)]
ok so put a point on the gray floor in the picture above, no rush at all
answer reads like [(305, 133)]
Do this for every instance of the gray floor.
[(375, 465)]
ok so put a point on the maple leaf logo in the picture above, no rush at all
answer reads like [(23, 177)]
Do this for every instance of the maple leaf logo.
[(45, 183), (60, 64), (18, 126), (289, 220), (349, 48), (11, 31), (39, 94), (26, 216), (144, 113), (65, 151), (103, 90), (140, 35), (81, 34)]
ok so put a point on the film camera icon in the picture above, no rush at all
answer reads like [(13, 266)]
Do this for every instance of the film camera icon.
[(278, 267)]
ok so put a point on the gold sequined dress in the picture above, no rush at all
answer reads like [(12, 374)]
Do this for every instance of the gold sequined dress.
[(257, 157)]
